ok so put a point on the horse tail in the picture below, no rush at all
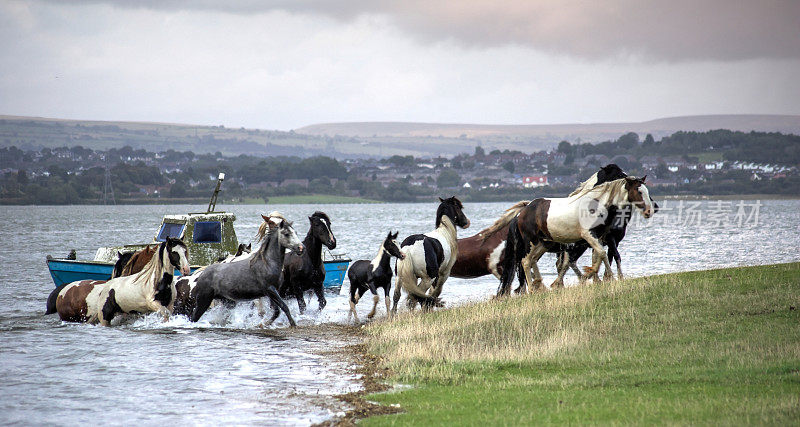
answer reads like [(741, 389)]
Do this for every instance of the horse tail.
[(51, 300), (510, 263), (407, 280)]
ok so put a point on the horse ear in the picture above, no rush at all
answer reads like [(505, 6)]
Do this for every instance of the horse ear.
[(644, 178), (266, 218), (441, 199), (395, 234)]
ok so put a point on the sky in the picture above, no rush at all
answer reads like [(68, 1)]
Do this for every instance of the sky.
[(285, 64)]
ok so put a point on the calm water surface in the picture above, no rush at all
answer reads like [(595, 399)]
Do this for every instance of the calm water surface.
[(227, 369)]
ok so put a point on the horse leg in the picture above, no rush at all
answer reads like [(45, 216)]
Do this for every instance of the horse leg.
[(562, 264), (320, 293), (275, 311), (425, 285), (613, 251), (597, 256), (203, 298), (574, 266), (375, 299), (438, 285), (386, 298), (353, 300), (607, 275), (276, 298), (298, 294), (532, 259), (397, 294), (354, 297)]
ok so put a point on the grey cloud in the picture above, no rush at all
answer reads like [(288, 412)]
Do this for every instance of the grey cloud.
[(674, 30)]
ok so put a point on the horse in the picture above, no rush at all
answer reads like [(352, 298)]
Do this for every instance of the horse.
[(242, 249), (369, 275), (184, 301), (430, 257), (482, 253), (122, 260), (136, 262), (303, 272), (150, 290), (251, 278), (567, 220)]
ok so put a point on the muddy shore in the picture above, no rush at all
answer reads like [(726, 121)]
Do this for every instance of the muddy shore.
[(367, 367)]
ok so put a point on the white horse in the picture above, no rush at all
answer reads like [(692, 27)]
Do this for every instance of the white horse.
[(567, 220), (428, 258), (150, 290)]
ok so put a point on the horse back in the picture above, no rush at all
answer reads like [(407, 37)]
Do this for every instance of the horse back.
[(74, 301), (426, 253), (475, 254)]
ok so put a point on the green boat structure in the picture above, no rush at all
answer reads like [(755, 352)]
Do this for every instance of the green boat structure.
[(210, 236)]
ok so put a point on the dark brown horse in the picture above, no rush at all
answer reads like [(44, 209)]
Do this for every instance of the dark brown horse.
[(137, 261)]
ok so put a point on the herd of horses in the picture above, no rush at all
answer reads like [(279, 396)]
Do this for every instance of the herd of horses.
[(594, 216)]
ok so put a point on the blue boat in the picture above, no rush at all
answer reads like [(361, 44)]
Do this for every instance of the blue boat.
[(67, 271), (210, 236)]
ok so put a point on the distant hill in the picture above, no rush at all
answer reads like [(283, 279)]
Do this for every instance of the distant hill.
[(354, 140), (590, 132)]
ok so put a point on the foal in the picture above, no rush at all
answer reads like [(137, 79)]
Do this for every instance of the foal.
[(373, 274)]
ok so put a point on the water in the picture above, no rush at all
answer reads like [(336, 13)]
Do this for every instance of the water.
[(227, 369)]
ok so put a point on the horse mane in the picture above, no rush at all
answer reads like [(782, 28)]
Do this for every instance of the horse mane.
[(588, 184), (321, 215), (610, 188), (263, 229), (128, 268), (153, 269), (452, 201), (504, 219)]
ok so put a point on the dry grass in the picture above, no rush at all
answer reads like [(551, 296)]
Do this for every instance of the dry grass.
[(697, 320)]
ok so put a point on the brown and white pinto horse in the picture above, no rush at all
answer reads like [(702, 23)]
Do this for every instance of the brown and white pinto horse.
[(482, 253), (567, 220), (150, 290)]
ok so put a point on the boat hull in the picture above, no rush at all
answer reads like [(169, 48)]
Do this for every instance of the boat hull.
[(67, 271)]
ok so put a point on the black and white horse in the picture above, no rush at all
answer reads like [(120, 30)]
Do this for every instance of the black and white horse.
[(429, 257), (305, 271), (150, 290), (369, 275), (253, 277), (567, 220)]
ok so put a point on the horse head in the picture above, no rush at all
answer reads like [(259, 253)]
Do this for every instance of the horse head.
[(287, 237), (453, 209), (609, 172), (178, 255), (391, 246), (321, 229), (639, 195)]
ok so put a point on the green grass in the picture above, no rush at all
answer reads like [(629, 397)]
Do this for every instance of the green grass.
[(708, 156), (707, 347), (308, 199)]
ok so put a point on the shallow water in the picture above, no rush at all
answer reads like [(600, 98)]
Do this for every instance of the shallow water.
[(227, 369)]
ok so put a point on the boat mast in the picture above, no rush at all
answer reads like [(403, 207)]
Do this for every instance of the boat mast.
[(212, 204)]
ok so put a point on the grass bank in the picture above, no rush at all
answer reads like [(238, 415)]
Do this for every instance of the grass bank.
[(710, 347)]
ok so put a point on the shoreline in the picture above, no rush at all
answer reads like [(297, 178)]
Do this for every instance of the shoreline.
[(375, 375)]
